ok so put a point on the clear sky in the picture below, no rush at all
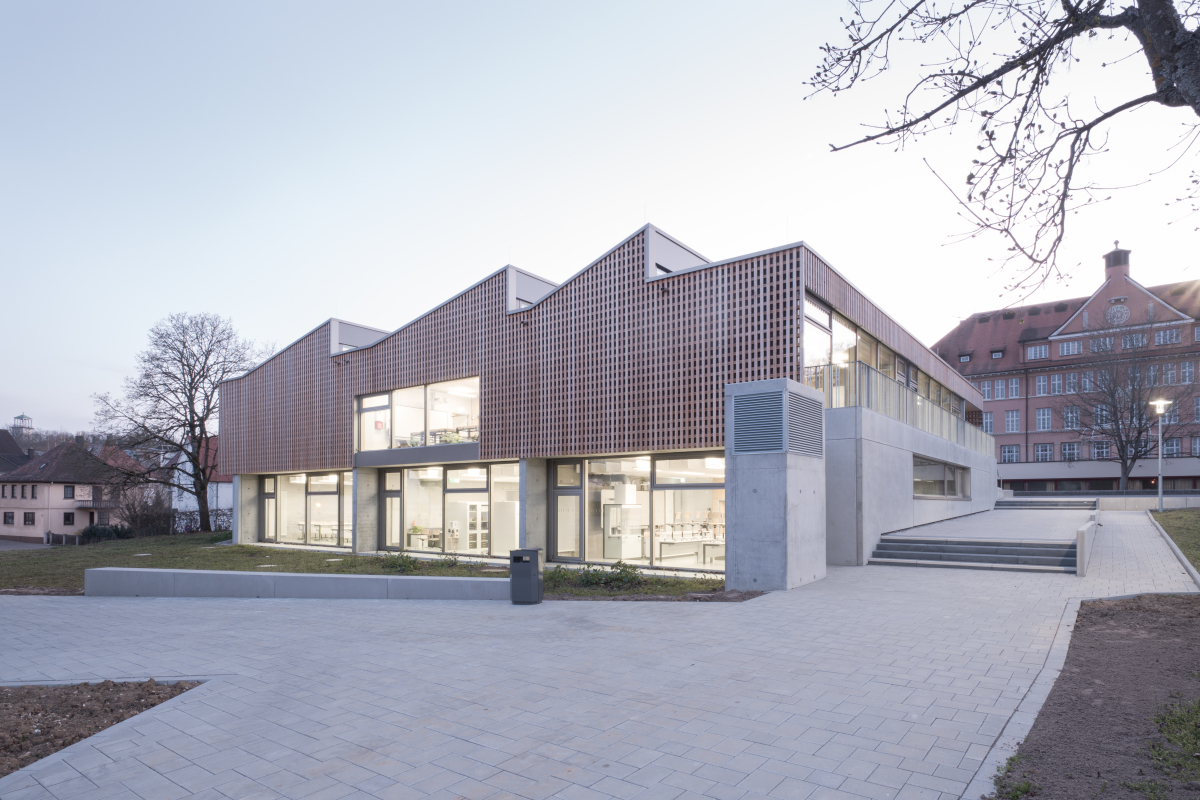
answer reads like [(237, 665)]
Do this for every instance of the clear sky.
[(280, 163)]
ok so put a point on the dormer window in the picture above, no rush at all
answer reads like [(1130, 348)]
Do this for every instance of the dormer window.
[(997, 354), (964, 359)]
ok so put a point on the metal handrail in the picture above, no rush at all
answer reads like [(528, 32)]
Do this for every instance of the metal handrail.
[(858, 385)]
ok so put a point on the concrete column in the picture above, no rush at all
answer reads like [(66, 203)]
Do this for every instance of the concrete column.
[(246, 502), (774, 486), (366, 510), (534, 500)]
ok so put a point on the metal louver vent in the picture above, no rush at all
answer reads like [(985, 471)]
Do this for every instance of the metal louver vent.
[(806, 418), (758, 423)]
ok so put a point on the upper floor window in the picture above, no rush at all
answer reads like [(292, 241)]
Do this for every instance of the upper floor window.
[(963, 359), (1168, 336), (1101, 344), (1014, 387), (1010, 453), (987, 421), (68, 492), (1012, 421), (439, 413), (1039, 385), (986, 389), (1038, 351), (1000, 390), (1133, 340), (1000, 353), (1056, 384), (1070, 348)]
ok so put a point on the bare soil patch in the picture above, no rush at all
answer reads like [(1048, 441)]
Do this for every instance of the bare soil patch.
[(1128, 661), (36, 721), (723, 596)]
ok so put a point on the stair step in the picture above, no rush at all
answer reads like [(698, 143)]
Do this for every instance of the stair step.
[(902, 562), (979, 558), (1047, 548)]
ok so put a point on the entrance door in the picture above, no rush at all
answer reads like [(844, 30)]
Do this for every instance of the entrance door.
[(566, 526), (566, 500)]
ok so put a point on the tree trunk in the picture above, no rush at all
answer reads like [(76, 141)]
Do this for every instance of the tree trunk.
[(202, 505)]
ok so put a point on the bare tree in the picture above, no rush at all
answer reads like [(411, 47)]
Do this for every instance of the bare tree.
[(169, 410), (1111, 408), (990, 62)]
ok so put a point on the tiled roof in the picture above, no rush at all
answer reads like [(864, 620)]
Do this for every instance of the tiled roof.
[(68, 463), (9, 445), (984, 332)]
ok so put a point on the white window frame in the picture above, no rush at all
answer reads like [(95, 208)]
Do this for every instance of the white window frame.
[(1044, 420), (1012, 420), (987, 421), (1015, 451), (1039, 386), (1070, 348), (1036, 352), (1043, 448)]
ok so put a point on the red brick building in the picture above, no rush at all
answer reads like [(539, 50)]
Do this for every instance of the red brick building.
[(1023, 359)]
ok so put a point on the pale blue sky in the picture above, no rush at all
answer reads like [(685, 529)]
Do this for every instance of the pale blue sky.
[(282, 163)]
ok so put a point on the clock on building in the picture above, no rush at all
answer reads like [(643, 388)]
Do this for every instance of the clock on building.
[(1116, 315)]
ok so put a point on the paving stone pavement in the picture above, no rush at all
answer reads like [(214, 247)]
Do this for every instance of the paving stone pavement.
[(877, 682)]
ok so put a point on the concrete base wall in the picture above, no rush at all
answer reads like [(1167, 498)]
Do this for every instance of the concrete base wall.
[(1141, 503), (121, 582), (367, 523), (534, 504), (245, 509), (869, 481)]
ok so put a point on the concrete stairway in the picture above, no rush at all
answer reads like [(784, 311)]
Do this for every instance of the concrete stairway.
[(1002, 554), (1047, 503)]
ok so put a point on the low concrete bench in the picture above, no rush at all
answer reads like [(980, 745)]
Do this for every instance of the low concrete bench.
[(131, 582)]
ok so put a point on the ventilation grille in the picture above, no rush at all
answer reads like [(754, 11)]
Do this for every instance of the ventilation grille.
[(806, 417), (758, 423)]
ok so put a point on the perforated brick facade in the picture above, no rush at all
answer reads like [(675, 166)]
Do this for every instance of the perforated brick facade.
[(609, 362)]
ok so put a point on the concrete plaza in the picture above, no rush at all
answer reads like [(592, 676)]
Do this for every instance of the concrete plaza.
[(877, 682)]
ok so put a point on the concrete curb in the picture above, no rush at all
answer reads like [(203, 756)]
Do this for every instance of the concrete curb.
[(1187, 565), (1019, 724), (140, 582)]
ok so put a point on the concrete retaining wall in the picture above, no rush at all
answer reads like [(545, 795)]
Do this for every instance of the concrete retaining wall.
[(869, 481), (1142, 502), (123, 582), (1085, 537)]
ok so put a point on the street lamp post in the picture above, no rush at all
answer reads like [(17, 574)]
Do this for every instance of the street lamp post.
[(1161, 407)]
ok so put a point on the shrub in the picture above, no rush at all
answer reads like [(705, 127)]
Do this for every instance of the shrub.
[(616, 576), (106, 533), (402, 562)]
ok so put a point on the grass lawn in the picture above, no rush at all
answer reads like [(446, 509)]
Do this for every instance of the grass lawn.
[(62, 567), (1183, 525)]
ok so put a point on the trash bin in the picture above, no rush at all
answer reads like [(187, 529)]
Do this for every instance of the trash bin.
[(525, 576)]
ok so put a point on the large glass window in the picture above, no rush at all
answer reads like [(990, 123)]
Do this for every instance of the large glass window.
[(453, 411), (323, 518), (618, 510), (440, 413), (291, 508), (845, 338), (506, 507), (566, 526), (393, 509), (468, 523), (423, 508), (935, 479), (408, 417), (374, 423), (816, 345), (708, 469)]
